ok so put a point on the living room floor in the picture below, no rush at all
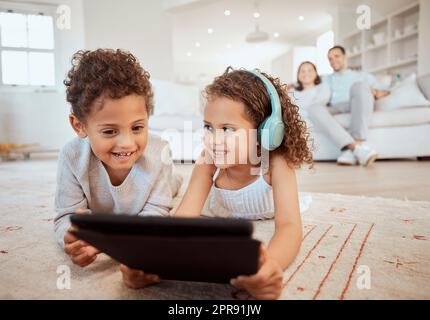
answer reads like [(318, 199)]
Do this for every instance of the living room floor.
[(341, 232), (390, 179), (400, 179)]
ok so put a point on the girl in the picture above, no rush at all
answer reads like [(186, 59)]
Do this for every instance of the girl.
[(228, 180), (114, 165)]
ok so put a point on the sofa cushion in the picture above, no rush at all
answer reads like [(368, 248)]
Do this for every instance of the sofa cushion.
[(176, 122), (393, 118), (405, 95)]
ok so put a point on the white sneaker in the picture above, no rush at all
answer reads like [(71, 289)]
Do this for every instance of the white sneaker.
[(347, 158), (365, 155)]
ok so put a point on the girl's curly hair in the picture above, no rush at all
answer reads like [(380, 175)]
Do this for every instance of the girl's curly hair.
[(105, 73), (242, 86)]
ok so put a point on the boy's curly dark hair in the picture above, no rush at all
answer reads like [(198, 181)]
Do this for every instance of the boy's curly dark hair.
[(105, 73), (242, 86)]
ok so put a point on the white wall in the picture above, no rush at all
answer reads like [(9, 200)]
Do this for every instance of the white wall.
[(323, 45), (285, 66), (35, 118), (42, 117), (194, 72), (139, 26), (202, 73), (282, 67), (424, 38)]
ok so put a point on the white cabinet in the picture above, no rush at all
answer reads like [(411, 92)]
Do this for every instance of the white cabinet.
[(390, 47)]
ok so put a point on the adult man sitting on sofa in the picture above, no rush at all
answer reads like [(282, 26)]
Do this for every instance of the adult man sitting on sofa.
[(354, 92)]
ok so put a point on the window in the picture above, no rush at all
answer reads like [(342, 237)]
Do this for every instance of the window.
[(324, 43), (27, 48)]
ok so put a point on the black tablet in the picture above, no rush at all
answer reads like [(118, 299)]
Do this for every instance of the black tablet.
[(189, 249)]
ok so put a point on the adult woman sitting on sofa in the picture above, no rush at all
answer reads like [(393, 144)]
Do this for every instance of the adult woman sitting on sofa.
[(312, 96), (309, 90)]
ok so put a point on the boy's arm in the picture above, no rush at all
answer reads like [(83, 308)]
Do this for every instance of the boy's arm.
[(286, 241), (160, 198), (198, 189), (69, 197)]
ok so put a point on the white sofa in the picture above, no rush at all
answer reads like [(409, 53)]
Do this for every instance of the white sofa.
[(400, 133), (184, 133), (178, 118)]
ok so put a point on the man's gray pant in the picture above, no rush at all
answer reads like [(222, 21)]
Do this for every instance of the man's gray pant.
[(360, 106)]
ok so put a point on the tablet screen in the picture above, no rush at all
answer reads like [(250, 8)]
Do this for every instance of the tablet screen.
[(188, 249), (126, 224)]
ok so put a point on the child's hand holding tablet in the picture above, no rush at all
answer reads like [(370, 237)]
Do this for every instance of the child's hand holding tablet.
[(81, 253), (188, 249)]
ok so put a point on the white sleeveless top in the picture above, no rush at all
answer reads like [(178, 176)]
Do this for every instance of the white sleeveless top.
[(253, 202)]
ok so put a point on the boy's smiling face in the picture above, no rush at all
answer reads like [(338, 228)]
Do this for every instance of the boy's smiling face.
[(118, 132)]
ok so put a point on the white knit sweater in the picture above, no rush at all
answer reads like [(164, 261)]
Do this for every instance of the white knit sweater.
[(82, 182)]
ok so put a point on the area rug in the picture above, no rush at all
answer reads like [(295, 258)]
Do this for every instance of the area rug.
[(353, 248)]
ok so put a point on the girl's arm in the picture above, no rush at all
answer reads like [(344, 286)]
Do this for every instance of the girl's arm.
[(286, 241), (197, 191), (267, 283)]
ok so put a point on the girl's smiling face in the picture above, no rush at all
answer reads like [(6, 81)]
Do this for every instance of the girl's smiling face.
[(117, 131), (230, 137)]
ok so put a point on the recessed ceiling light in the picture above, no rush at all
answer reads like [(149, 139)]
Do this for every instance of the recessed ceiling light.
[(189, 54), (197, 44), (301, 18), (227, 13), (276, 34), (229, 46), (210, 30), (256, 15)]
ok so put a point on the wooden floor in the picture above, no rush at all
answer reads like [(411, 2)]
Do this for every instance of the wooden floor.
[(401, 179), (391, 179)]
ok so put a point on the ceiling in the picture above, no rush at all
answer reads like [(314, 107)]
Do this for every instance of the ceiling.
[(228, 38), (192, 18)]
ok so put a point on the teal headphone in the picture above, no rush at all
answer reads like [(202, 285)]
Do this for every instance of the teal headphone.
[(272, 130)]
